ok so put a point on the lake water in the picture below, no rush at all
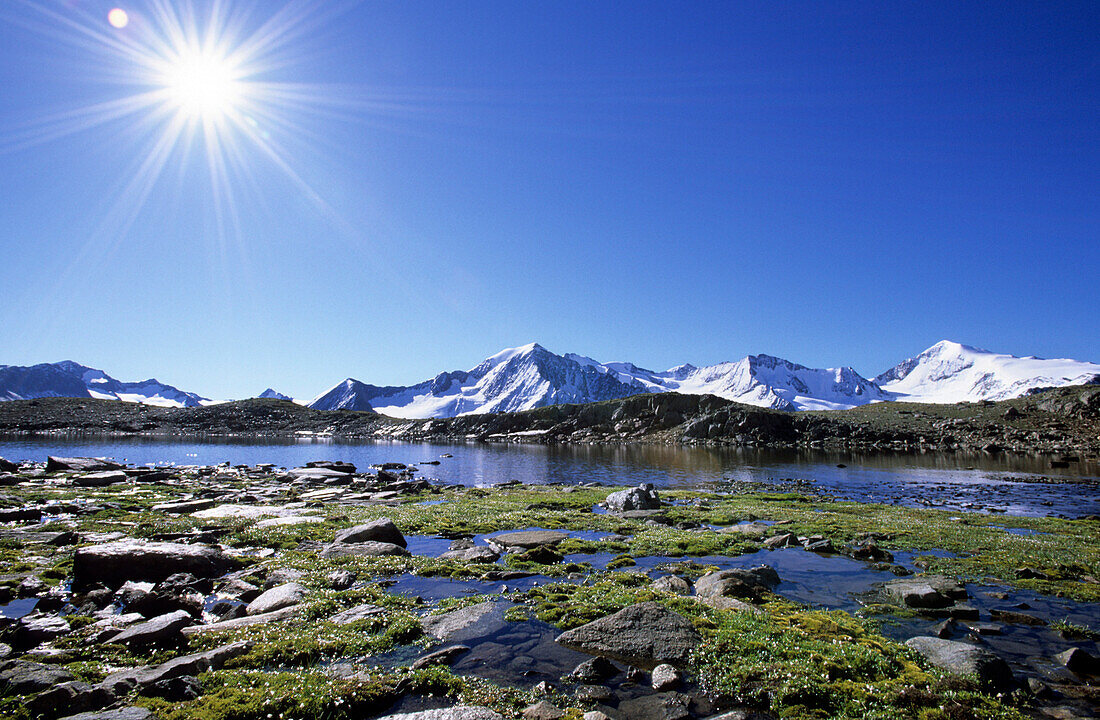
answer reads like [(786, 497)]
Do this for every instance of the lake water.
[(1015, 485)]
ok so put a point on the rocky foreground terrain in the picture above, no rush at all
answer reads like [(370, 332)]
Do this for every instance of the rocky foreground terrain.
[(1057, 421), (336, 592)]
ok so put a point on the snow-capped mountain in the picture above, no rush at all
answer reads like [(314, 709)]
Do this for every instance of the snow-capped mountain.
[(271, 394), (760, 380), (949, 372), (515, 379), (531, 376), (70, 379)]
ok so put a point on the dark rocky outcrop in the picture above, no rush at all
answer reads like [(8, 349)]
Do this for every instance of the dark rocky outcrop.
[(116, 562)]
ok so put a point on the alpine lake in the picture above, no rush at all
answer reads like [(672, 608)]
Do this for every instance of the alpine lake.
[(501, 548)]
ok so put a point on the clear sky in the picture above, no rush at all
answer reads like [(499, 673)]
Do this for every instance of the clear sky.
[(385, 190)]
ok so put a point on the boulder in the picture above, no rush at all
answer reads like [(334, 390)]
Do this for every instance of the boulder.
[(542, 710), (645, 634), (364, 549), (243, 621), (382, 530), (32, 630), (964, 659), (116, 562), (80, 464), (8, 466), (460, 712), (643, 497), (931, 591), (337, 465), (159, 630), (672, 584), (277, 598), (737, 582), (69, 697), (1079, 661)]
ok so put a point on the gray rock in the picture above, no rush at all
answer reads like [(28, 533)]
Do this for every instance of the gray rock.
[(781, 541), (645, 634), (235, 623), (468, 621), (69, 697), (1079, 661), (158, 630), (32, 630), (964, 659), (594, 694), (124, 681), (672, 584), (80, 464), (128, 713), (185, 507), (931, 591), (116, 562), (382, 530), (527, 539), (100, 479), (364, 549), (354, 614), (662, 706), (460, 712), (665, 677), (8, 466), (340, 579), (20, 677), (542, 710), (277, 598), (594, 670), (643, 497), (737, 582)]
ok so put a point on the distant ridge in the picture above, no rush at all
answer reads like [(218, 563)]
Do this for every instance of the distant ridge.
[(70, 379), (530, 376)]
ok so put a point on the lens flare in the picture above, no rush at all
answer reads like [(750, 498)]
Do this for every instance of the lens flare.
[(118, 18), (202, 84)]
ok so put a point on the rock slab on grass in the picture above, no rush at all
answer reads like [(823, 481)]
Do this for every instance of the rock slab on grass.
[(527, 539), (20, 677), (158, 630), (128, 713), (123, 681), (277, 598), (116, 562), (455, 624), (962, 658), (369, 548), (645, 635)]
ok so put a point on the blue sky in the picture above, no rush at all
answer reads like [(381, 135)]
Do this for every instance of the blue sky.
[(834, 183)]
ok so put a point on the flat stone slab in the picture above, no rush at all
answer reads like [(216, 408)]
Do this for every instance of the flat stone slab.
[(157, 630), (80, 464), (281, 614), (364, 549), (116, 562), (354, 614), (380, 530), (527, 539), (122, 681), (645, 634), (184, 507)]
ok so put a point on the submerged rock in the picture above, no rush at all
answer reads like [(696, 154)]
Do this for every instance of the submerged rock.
[(453, 625), (645, 634), (737, 582)]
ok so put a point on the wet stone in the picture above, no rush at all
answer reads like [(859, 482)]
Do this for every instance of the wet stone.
[(645, 634), (527, 539)]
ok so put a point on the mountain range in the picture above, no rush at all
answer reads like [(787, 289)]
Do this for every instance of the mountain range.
[(531, 376)]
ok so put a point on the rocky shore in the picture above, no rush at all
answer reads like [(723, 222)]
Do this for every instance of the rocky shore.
[(330, 591), (1060, 422)]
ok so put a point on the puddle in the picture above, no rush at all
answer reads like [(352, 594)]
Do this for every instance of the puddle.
[(18, 608)]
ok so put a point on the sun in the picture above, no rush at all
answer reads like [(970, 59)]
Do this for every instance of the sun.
[(202, 85)]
